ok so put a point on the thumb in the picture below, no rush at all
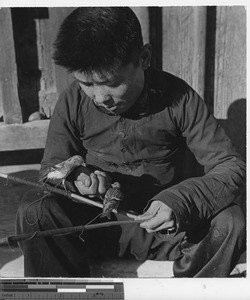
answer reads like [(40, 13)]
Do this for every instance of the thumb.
[(84, 179), (150, 213)]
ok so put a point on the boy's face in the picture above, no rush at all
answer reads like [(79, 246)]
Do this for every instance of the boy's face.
[(115, 93)]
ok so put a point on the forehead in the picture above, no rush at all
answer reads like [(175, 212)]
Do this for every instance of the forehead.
[(122, 73)]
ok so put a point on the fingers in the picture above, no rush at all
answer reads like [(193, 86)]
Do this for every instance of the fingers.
[(92, 185), (158, 217), (150, 213), (96, 183), (104, 182), (93, 188), (84, 179), (155, 224), (147, 215), (82, 174), (86, 186)]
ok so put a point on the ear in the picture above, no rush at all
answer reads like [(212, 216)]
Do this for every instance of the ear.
[(145, 56)]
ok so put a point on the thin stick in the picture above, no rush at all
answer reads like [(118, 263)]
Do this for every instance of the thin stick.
[(12, 240), (68, 194)]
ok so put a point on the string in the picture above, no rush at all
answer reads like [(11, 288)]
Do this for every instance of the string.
[(91, 221), (41, 199), (66, 233), (40, 210), (7, 182)]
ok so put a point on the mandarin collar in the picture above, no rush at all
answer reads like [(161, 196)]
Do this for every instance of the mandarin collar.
[(141, 107)]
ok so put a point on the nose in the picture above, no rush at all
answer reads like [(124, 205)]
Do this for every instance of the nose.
[(102, 97)]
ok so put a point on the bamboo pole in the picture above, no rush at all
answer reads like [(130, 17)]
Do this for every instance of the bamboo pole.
[(11, 241), (68, 194)]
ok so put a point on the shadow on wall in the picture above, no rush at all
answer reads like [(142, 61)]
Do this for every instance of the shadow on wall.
[(235, 127)]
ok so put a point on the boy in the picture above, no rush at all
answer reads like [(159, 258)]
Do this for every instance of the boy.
[(128, 121)]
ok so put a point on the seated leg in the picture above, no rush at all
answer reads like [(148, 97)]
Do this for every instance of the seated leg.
[(213, 250), (64, 255)]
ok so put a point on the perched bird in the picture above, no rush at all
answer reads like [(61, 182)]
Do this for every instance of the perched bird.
[(112, 199), (58, 173)]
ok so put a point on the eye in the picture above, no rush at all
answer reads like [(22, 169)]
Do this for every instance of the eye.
[(114, 84), (87, 84)]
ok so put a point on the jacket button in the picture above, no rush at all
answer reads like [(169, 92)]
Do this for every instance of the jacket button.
[(128, 166), (122, 134), (122, 119)]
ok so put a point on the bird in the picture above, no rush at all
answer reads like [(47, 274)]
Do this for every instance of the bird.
[(112, 200), (59, 172)]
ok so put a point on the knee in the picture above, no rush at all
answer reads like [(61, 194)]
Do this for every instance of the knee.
[(230, 221)]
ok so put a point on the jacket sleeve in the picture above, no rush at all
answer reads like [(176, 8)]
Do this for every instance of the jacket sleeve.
[(195, 200), (63, 139)]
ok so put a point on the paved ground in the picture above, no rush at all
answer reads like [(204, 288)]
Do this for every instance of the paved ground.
[(106, 269), (10, 196)]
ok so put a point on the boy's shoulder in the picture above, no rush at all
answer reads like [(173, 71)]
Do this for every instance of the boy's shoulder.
[(167, 82), (72, 95), (170, 89), (73, 90), (70, 99)]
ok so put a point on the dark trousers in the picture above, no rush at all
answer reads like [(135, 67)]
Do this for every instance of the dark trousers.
[(210, 250)]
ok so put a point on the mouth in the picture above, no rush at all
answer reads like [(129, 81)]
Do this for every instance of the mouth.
[(112, 108), (107, 110)]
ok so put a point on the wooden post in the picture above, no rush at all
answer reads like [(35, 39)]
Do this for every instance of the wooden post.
[(54, 79), (57, 15), (230, 58), (230, 73), (155, 21), (184, 35), (142, 14), (1, 104), (48, 91), (9, 99)]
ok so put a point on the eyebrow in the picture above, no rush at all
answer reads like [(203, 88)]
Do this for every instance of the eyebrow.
[(108, 81)]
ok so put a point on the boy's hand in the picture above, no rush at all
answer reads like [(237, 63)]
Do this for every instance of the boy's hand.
[(158, 217), (92, 183)]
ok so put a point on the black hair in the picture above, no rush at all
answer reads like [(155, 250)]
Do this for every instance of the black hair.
[(99, 39)]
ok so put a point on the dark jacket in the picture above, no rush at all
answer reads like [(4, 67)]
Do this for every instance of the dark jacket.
[(142, 148)]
